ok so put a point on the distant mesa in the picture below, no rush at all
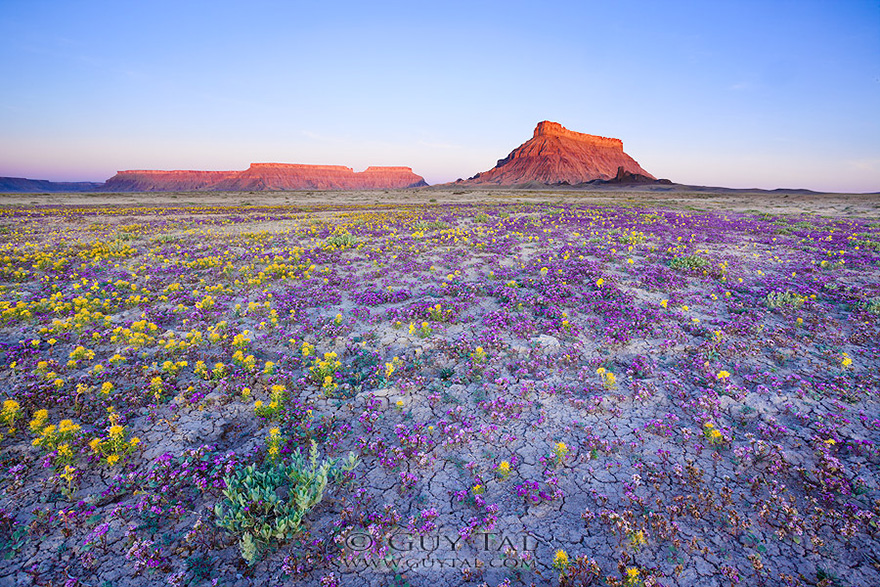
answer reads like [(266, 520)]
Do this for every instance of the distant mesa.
[(146, 180), (558, 156), (258, 177), (554, 156), (266, 177), (20, 184)]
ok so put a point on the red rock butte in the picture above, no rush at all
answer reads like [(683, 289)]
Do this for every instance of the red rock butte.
[(556, 155), (266, 177)]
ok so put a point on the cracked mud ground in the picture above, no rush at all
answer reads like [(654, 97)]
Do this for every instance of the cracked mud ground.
[(575, 392)]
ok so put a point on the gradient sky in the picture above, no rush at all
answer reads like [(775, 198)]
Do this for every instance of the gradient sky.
[(741, 94)]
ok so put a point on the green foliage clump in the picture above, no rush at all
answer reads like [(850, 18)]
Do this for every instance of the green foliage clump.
[(866, 243), (779, 299), (340, 241), (873, 306), (256, 508), (633, 238), (689, 263), (429, 226)]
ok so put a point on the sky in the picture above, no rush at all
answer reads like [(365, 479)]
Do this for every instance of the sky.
[(764, 94)]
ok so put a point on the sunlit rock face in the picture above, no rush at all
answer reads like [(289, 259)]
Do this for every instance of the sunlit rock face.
[(267, 176), (557, 155)]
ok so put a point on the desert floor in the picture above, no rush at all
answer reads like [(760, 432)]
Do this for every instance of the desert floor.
[(845, 205), (534, 387)]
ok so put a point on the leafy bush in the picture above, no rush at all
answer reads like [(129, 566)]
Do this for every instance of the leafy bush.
[(633, 238), (256, 508), (778, 299), (429, 226), (340, 241), (689, 263), (866, 244)]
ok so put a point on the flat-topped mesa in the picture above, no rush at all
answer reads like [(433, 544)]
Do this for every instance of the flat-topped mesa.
[(547, 128), (300, 167), (172, 172), (390, 169), (265, 177), (155, 180)]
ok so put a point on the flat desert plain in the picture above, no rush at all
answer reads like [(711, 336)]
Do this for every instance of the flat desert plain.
[(440, 387)]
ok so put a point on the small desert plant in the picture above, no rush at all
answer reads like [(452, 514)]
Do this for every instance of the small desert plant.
[(581, 571), (166, 238), (255, 508), (425, 226), (340, 241), (689, 263), (868, 243), (778, 299), (633, 238)]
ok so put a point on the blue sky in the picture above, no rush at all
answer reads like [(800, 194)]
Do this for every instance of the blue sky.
[(741, 94)]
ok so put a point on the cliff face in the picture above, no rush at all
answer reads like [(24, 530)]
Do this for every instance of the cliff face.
[(286, 176), (555, 155), (267, 177)]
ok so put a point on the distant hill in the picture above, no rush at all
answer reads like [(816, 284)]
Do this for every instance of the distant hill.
[(20, 184)]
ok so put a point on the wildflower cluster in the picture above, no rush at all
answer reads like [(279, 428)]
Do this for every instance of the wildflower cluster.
[(324, 370), (8, 416), (608, 378), (271, 409), (114, 447)]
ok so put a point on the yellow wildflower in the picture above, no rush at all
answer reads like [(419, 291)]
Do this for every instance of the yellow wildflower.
[(560, 560)]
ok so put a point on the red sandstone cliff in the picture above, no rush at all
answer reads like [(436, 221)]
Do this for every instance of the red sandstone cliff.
[(267, 177), (555, 155)]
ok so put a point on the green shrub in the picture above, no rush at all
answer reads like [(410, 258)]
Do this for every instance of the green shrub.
[(866, 244), (429, 226), (633, 238), (256, 509), (778, 299), (689, 263), (340, 241)]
